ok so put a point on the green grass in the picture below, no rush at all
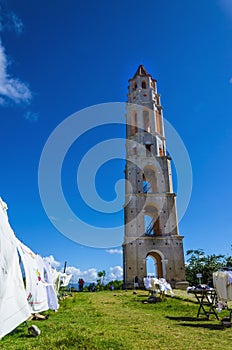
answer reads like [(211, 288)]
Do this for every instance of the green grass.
[(120, 320)]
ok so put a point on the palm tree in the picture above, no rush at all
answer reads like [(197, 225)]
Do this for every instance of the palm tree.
[(101, 275)]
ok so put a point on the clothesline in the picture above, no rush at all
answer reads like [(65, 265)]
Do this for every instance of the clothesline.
[(18, 302)]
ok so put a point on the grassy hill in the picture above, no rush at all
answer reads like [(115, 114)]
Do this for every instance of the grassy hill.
[(121, 320)]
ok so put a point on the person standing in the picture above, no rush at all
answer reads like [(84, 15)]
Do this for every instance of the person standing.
[(81, 284)]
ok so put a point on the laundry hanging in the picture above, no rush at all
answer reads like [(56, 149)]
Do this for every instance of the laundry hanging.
[(222, 281), (14, 308), (65, 279), (51, 294), (35, 284), (56, 280)]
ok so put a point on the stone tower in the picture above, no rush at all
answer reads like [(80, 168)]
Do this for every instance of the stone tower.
[(151, 227)]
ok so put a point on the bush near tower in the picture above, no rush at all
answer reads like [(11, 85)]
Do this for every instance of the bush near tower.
[(200, 263)]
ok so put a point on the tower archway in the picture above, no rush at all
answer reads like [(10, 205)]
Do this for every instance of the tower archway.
[(157, 258), (151, 266)]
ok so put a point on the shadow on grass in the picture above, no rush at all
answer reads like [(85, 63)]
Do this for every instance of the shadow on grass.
[(185, 319), (212, 327), (25, 335), (148, 300), (185, 299)]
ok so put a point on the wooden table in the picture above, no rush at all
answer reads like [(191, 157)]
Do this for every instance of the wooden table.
[(207, 302)]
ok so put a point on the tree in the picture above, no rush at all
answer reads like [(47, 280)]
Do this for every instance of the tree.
[(198, 262), (228, 262), (115, 283), (101, 275)]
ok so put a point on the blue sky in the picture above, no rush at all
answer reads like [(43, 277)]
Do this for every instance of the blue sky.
[(57, 58)]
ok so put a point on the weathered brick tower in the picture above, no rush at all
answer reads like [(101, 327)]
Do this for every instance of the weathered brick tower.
[(151, 227)]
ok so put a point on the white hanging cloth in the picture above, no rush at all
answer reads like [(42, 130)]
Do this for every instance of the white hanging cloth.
[(158, 285), (147, 282), (51, 294), (222, 281), (13, 302), (65, 279), (165, 286), (35, 284), (56, 280)]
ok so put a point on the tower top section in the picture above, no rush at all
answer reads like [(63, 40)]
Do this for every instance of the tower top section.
[(142, 89), (145, 114), (141, 72)]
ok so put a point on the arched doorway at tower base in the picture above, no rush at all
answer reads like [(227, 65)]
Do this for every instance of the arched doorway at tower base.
[(159, 264)]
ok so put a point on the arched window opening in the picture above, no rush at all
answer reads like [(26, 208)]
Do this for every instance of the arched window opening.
[(158, 123), (161, 153), (148, 149), (134, 128), (144, 85), (151, 222), (146, 121), (135, 86), (147, 186), (150, 180), (148, 225)]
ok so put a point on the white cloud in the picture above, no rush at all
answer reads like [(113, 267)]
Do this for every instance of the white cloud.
[(15, 23), (116, 273), (89, 275), (9, 21), (52, 261), (114, 251), (31, 116), (11, 89)]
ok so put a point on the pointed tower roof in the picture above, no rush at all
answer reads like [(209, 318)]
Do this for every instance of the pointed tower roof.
[(141, 71)]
